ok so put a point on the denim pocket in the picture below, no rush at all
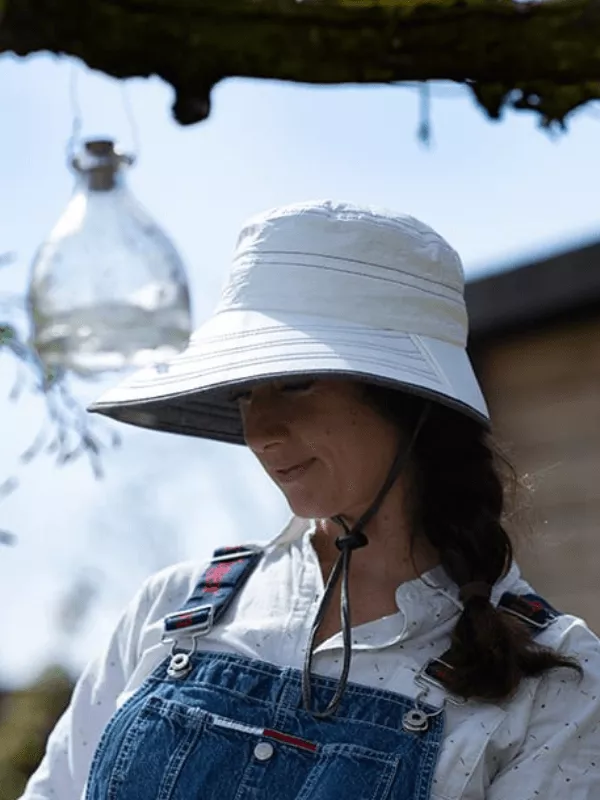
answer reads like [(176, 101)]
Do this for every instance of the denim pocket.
[(350, 771), (161, 749), (144, 756)]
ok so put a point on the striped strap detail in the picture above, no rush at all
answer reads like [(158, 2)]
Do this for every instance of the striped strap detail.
[(219, 585)]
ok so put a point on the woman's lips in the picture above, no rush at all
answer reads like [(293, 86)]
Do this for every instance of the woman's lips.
[(293, 473)]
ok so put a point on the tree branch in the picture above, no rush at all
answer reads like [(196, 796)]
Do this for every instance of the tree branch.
[(542, 56)]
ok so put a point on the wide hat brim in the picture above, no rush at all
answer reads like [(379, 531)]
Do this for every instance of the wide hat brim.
[(191, 393)]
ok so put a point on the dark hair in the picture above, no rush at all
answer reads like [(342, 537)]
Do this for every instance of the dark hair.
[(460, 483)]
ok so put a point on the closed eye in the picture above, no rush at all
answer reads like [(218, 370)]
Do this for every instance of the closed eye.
[(291, 387), (241, 396), (296, 387)]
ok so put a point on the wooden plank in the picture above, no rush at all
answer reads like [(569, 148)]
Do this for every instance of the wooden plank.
[(545, 390), (544, 395), (569, 481), (566, 560), (564, 423), (556, 359), (558, 526)]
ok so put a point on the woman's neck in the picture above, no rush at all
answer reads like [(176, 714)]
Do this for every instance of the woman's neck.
[(390, 558)]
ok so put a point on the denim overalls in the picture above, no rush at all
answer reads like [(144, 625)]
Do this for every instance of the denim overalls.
[(218, 725)]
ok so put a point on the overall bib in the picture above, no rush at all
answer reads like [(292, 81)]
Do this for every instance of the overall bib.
[(218, 725)]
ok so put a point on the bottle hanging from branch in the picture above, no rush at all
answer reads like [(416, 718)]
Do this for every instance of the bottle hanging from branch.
[(108, 290)]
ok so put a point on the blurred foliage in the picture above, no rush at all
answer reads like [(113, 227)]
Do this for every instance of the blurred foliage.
[(26, 718)]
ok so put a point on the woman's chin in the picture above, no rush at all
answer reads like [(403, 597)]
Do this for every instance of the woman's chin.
[(309, 507)]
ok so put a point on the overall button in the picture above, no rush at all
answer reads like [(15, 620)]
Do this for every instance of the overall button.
[(180, 666), (263, 751)]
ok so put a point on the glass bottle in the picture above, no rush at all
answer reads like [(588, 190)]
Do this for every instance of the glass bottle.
[(108, 290)]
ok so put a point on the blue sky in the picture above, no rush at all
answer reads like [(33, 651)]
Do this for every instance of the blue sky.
[(500, 192)]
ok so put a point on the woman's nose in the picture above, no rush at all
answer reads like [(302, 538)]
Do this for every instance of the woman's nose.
[(264, 425)]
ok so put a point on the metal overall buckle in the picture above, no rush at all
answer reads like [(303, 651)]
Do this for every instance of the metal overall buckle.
[(424, 679), (180, 664), (417, 719)]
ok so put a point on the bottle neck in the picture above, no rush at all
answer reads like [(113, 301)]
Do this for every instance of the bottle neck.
[(104, 178)]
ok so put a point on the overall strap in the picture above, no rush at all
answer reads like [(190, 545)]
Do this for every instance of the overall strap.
[(533, 610), (219, 585)]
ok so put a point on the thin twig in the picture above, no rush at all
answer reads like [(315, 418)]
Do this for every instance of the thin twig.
[(67, 432)]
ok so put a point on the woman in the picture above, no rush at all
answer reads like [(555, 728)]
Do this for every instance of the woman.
[(384, 644)]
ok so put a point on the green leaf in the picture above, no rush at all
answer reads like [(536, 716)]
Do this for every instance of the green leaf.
[(7, 334)]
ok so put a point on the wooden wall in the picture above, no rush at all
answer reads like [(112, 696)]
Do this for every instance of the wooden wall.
[(543, 388)]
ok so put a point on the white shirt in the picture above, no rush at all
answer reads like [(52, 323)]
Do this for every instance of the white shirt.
[(544, 744)]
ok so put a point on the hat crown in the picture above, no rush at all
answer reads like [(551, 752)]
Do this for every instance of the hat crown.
[(362, 265), (318, 288)]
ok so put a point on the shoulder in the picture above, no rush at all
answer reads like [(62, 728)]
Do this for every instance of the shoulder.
[(568, 634), (173, 584), (575, 695), (549, 742), (563, 694), (167, 590)]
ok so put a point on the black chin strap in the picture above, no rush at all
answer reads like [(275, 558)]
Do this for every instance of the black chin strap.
[(351, 540)]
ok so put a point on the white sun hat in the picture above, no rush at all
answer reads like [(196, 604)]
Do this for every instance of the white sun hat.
[(320, 288)]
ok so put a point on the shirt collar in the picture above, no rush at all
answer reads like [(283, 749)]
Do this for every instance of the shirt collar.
[(295, 529), (433, 598)]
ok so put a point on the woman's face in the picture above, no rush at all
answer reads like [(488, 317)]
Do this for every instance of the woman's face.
[(327, 450)]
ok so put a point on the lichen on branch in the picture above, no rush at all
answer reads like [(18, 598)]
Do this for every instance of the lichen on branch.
[(539, 56)]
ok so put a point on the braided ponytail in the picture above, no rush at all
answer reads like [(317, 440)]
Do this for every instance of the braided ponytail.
[(458, 504)]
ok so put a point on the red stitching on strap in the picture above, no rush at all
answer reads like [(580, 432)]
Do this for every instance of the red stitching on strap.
[(215, 575), (184, 620)]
